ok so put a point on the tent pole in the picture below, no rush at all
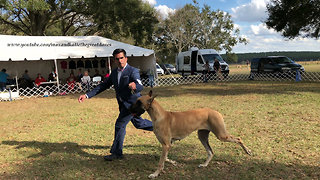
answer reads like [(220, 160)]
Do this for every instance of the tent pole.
[(17, 84), (56, 68), (109, 65), (154, 66)]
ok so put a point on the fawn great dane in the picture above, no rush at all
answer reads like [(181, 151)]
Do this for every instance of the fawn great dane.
[(171, 126)]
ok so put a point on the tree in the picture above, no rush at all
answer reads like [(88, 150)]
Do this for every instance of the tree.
[(130, 21), (35, 17), (190, 26), (231, 58), (295, 18)]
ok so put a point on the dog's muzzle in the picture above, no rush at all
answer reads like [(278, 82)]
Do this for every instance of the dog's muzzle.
[(137, 109)]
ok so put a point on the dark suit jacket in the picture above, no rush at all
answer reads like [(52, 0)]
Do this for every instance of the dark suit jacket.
[(123, 93)]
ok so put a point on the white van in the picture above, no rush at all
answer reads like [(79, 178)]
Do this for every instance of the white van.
[(192, 61), (160, 71)]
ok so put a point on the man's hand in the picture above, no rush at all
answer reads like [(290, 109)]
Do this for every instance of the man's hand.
[(82, 98), (132, 86)]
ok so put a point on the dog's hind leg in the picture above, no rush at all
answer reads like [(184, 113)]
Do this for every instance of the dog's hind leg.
[(163, 158), (203, 135), (229, 138)]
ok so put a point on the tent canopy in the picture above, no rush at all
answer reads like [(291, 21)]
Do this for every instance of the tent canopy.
[(20, 53), (19, 48)]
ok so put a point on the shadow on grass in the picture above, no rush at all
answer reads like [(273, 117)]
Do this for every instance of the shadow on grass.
[(225, 88), (237, 88), (47, 148), (68, 160)]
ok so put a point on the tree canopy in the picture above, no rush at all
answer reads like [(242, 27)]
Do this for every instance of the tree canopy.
[(126, 20), (130, 21), (38, 16), (192, 26), (295, 18)]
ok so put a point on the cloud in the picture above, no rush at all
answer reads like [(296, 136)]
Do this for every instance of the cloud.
[(252, 12), (164, 10), (151, 2), (276, 43), (262, 30)]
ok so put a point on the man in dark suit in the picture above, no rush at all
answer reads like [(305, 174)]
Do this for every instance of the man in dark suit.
[(127, 85)]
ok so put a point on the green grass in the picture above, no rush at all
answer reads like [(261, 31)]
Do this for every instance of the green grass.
[(59, 138)]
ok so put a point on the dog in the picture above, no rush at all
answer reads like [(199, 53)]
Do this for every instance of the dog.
[(171, 126)]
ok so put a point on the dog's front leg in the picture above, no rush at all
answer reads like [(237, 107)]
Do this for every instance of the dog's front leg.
[(163, 158)]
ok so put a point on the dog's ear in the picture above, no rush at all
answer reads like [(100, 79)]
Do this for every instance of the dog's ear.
[(151, 100), (150, 93)]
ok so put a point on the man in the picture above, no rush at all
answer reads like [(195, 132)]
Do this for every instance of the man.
[(127, 85), (206, 71), (3, 79), (217, 68)]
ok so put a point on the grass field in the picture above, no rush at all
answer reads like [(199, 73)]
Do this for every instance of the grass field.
[(59, 138)]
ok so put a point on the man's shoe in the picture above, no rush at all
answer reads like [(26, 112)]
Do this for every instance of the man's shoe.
[(112, 157)]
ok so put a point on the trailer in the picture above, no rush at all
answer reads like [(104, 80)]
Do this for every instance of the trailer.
[(192, 62)]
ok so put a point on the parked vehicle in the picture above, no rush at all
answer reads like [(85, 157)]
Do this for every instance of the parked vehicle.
[(274, 64), (192, 61), (160, 71), (168, 68), (279, 65)]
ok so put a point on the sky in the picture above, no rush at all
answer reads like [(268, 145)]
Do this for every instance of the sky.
[(248, 16)]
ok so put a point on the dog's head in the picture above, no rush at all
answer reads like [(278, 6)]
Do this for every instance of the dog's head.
[(142, 104)]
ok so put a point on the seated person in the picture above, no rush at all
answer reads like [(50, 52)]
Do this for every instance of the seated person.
[(97, 74), (26, 76), (52, 76), (79, 76), (105, 75), (86, 78), (25, 80), (71, 80), (39, 80)]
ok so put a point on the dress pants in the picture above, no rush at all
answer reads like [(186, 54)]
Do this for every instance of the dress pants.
[(120, 128)]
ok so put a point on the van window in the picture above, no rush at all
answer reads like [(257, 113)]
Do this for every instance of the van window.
[(212, 57), (280, 60), (186, 60), (265, 60), (200, 60)]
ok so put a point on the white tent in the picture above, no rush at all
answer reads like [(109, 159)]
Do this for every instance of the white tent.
[(40, 54)]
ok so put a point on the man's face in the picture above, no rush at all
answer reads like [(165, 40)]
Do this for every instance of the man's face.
[(120, 60)]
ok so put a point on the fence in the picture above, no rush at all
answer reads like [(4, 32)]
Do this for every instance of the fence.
[(64, 89)]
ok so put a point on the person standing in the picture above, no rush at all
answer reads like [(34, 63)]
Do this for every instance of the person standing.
[(150, 74), (127, 85), (206, 71), (3, 79), (217, 68)]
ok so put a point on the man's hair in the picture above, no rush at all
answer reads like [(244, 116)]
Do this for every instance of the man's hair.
[(3, 70), (117, 51)]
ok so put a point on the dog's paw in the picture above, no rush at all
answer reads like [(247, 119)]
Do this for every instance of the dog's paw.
[(202, 165), (172, 162), (248, 151), (152, 176)]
